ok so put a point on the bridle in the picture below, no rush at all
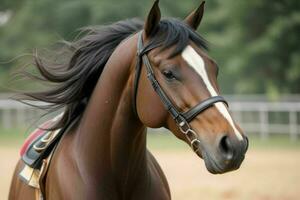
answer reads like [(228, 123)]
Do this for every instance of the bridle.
[(182, 119)]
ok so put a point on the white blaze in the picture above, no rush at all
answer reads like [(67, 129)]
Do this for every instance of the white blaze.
[(197, 63)]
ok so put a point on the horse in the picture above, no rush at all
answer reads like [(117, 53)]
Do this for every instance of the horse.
[(119, 80)]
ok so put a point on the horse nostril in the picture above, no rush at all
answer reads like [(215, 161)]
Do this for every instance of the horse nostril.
[(226, 147)]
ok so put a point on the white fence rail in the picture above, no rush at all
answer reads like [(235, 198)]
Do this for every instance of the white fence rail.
[(262, 117), (15, 114), (266, 118)]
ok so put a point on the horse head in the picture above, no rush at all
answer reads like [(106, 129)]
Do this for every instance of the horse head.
[(176, 87)]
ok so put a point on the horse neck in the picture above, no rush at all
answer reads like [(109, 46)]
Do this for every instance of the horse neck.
[(110, 139)]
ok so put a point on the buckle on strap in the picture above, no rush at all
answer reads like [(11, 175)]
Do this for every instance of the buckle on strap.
[(185, 128), (189, 133), (182, 124)]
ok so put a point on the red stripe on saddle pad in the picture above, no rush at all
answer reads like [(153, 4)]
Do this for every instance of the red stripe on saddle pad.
[(35, 134)]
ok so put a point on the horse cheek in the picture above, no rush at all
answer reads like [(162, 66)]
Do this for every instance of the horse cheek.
[(149, 106)]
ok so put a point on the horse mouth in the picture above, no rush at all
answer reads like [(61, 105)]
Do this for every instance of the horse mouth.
[(216, 166), (216, 162)]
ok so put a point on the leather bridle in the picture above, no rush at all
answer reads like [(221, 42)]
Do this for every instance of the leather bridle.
[(182, 119)]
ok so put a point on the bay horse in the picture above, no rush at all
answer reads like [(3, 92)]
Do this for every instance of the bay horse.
[(123, 78)]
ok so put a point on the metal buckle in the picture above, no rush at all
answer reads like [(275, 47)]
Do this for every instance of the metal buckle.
[(195, 143), (189, 133), (183, 125), (39, 148), (47, 137)]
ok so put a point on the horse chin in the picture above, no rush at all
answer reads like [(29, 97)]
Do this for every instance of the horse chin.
[(210, 164), (215, 167)]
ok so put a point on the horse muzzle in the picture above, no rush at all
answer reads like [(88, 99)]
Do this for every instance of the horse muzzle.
[(227, 156)]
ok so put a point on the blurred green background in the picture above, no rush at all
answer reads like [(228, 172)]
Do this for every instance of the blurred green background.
[(255, 42), (257, 46)]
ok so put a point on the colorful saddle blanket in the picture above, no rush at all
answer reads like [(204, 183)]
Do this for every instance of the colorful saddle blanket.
[(37, 152), (37, 133), (40, 144)]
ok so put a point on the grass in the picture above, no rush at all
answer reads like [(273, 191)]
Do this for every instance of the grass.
[(13, 137), (161, 141)]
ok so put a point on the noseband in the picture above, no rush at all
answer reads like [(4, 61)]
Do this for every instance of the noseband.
[(182, 119)]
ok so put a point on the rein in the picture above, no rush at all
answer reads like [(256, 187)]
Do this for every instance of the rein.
[(182, 119)]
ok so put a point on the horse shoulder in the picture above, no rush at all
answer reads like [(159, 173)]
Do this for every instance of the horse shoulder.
[(158, 175)]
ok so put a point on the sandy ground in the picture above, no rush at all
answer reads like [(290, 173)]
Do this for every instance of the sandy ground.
[(264, 175)]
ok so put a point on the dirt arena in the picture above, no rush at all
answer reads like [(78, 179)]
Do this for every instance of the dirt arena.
[(265, 175)]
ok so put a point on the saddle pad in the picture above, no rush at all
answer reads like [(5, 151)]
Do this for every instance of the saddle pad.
[(40, 144), (37, 133)]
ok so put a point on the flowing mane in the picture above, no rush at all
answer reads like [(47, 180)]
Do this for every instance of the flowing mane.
[(75, 80)]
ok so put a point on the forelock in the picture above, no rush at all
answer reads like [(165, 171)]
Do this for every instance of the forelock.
[(173, 32)]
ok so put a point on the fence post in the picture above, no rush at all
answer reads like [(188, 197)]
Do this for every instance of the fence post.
[(293, 125), (264, 121)]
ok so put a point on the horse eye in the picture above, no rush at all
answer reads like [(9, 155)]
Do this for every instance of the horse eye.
[(168, 74)]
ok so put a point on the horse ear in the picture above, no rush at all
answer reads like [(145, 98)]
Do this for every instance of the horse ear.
[(194, 18), (152, 19)]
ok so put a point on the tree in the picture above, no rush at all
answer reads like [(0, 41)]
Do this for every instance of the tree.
[(256, 43), (259, 45)]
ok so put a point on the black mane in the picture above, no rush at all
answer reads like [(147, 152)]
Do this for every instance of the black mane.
[(75, 79)]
